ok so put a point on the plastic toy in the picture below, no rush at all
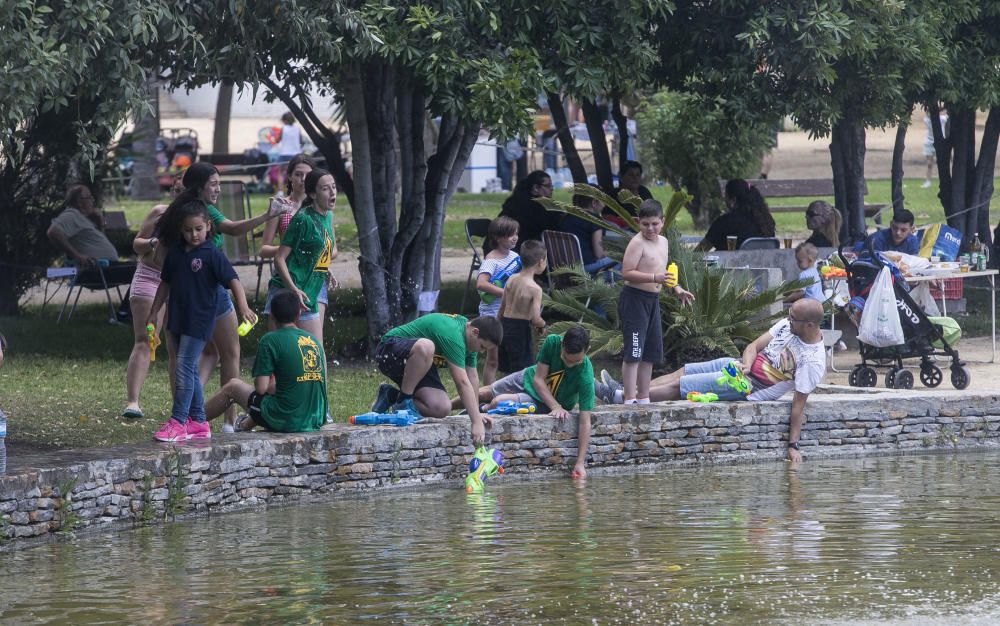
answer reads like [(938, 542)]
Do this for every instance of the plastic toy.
[(734, 378), (501, 279), (399, 418), (483, 465), (153, 340), (695, 396), (509, 407), (245, 328), (671, 281)]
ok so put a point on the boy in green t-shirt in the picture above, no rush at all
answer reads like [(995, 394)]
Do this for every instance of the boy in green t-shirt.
[(561, 378), (410, 355), (289, 390)]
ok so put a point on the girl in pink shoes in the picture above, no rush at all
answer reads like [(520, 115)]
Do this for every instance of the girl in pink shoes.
[(192, 273)]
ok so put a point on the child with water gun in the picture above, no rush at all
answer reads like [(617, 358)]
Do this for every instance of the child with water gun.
[(496, 269)]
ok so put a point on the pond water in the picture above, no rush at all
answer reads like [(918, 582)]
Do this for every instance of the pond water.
[(894, 540)]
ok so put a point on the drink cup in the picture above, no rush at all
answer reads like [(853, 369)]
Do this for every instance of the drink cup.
[(963, 266), (788, 242), (731, 242)]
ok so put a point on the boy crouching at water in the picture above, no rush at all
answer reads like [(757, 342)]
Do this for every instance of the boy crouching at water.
[(644, 270), (520, 310), (289, 390), (410, 355), (561, 378)]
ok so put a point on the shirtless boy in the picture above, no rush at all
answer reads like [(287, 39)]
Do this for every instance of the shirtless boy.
[(520, 310), (644, 270)]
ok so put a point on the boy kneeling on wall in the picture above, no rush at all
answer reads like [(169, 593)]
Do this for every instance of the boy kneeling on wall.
[(561, 378), (411, 354), (289, 390)]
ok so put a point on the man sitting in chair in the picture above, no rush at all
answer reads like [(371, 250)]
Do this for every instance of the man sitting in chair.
[(78, 231)]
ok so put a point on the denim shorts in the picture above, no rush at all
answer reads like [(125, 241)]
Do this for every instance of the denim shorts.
[(703, 378), (304, 316), (223, 303)]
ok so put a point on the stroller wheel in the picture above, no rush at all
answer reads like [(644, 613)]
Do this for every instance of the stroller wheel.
[(899, 378), (862, 376), (960, 378), (931, 375)]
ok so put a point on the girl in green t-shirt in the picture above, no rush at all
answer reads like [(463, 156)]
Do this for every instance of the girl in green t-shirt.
[(307, 250)]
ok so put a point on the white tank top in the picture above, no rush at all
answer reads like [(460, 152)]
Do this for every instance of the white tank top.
[(291, 140)]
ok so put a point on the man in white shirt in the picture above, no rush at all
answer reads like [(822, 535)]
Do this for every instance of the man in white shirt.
[(789, 357)]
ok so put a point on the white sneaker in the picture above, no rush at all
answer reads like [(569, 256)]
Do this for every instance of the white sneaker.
[(228, 428), (926, 185)]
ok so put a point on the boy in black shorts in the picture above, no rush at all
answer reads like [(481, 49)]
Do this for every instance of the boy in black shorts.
[(521, 310), (289, 390), (644, 269), (410, 355)]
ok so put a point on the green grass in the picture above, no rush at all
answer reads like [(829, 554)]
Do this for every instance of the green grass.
[(923, 202)]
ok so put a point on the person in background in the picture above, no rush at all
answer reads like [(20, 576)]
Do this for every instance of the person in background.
[(748, 216), (79, 230), (899, 237), (290, 144), (507, 156), (805, 257), (930, 153), (590, 235), (824, 221), (629, 179), (532, 218)]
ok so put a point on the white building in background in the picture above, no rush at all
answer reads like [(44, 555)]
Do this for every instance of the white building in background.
[(201, 101)]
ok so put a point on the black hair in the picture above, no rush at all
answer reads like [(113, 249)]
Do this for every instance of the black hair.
[(288, 118), (169, 226), (748, 200), (298, 159), (903, 216), (526, 184), (312, 181), (196, 176), (585, 202), (285, 306), (576, 340), (630, 165), (650, 208), (489, 329), (532, 252)]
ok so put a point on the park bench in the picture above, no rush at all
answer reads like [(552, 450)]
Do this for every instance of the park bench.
[(803, 188)]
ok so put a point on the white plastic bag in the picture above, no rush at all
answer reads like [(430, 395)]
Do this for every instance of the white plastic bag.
[(921, 294), (880, 325)]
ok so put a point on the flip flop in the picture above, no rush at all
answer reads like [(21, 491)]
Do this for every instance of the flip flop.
[(133, 413)]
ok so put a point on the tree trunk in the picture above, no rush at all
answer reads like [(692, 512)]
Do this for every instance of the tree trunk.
[(413, 167), (370, 260), (623, 137), (598, 144), (380, 100), (223, 113), (898, 147), (985, 166), (847, 152), (145, 185), (566, 141)]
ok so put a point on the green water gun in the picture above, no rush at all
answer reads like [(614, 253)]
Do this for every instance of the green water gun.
[(483, 465), (694, 396), (500, 280), (733, 377)]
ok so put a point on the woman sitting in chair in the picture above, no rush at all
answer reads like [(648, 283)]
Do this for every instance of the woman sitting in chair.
[(748, 216), (532, 217), (824, 222)]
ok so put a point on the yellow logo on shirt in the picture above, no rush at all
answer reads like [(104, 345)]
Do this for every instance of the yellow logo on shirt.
[(323, 262), (553, 380), (312, 368)]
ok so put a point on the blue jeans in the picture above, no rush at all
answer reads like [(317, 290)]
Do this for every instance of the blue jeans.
[(702, 377), (604, 266), (189, 401)]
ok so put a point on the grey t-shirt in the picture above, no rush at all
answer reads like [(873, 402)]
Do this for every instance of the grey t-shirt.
[(84, 235)]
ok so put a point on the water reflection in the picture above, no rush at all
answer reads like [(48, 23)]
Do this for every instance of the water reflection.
[(893, 540)]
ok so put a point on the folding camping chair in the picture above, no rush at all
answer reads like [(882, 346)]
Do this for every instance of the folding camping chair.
[(479, 228), (563, 251), (92, 278)]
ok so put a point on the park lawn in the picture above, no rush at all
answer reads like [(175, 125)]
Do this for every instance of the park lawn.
[(923, 202)]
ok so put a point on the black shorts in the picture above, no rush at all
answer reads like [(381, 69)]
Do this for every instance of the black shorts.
[(642, 328), (253, 409), (391, 355), (515, 349)]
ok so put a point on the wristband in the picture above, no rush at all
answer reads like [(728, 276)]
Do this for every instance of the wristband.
[(794, 445)]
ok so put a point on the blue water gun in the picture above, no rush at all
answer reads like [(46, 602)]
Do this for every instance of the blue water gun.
[(500, 280), (483, 465), (509, 407), (734, 378), (399, 418)]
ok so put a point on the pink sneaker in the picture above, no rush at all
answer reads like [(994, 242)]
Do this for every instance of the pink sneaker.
[(171, 430), (198, 430)]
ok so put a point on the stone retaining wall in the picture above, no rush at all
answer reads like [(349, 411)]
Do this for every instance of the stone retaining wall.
[(141, 483)]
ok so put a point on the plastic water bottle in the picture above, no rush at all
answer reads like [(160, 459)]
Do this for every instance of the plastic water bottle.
[(3, 445)]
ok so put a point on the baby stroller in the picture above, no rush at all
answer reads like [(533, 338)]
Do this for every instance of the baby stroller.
[(176, 150), (924, 338)]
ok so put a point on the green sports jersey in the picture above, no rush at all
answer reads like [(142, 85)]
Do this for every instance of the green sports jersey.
[(217, 218), (448, 334), (568, 386), (310, 237), (298, 364)]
